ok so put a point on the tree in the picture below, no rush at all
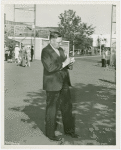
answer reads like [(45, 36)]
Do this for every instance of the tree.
[(74, 30), (9, 42)]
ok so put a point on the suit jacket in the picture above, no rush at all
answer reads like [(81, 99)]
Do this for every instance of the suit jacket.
[(53, 75)]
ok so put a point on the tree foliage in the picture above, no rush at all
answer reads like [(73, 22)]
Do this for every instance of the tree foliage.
[(10, 43), (74, 30)]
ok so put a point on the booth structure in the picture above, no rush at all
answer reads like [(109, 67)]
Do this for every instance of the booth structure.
[(40, 43)]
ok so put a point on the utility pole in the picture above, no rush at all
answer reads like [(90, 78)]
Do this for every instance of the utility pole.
[(14, 24), (34, 28), (111, 35)]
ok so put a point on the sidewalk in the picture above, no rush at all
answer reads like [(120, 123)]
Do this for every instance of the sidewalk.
[(93, 96)]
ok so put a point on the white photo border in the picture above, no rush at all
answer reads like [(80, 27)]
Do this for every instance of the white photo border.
[(63, 2)]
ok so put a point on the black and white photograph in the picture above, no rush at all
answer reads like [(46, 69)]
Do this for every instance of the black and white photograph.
[(60, 75)]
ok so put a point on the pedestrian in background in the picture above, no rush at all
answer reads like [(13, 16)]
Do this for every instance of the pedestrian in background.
[(28, 56), (103, 58), (20, 57), (108, 57), (10, 54), (6, 53), (32, 53), (23, 62), (17, 49)]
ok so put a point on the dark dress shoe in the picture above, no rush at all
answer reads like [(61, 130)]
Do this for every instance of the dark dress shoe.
[(55, 138), (73, 135)]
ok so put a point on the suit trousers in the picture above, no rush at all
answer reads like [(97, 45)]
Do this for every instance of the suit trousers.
[(103, 63), (59, 100), (31, 57)]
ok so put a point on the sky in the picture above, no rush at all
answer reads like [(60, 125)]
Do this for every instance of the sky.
[(99, 15)]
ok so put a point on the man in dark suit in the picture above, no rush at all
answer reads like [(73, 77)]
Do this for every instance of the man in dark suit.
[(32, 53), (56, 82)]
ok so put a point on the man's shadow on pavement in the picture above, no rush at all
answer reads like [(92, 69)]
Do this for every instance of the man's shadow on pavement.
[(93, 109), (34, 108)]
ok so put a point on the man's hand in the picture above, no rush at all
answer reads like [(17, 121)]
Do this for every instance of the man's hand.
[(72, 60), (66, 62), (71, 64)]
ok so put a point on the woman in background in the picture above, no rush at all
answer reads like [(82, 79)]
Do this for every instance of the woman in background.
[(17, 49), (20, 57), (28, 56), (23, 62), (10, 54)]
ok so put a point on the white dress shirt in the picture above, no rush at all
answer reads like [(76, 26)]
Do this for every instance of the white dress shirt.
[(56, 50)]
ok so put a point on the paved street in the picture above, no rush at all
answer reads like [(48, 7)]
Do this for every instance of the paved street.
[(93, 94)]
